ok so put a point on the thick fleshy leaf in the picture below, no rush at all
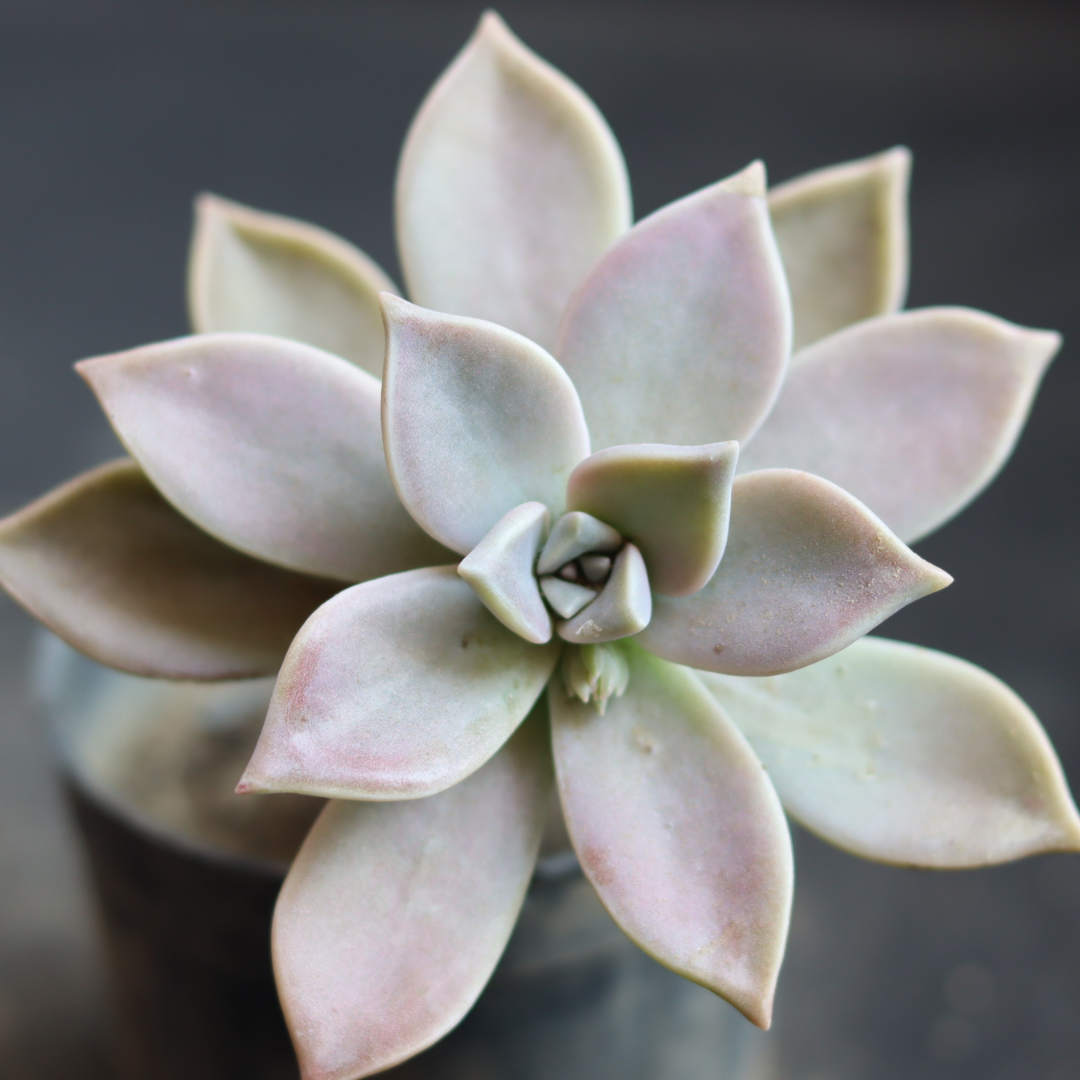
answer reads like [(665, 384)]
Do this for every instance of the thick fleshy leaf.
[(500, 570), (678, 828), (573, 535), (476, 420), (510, 187), (394, 915), (843, 236), (673, 502), (913, 413), (261, 273), (623, 607), (267, 444), (565, 597), (908, 755), (808, 569), (108, 565), (681, 333), (396, 689)]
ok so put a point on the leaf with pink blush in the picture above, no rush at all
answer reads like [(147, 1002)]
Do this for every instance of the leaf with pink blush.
[(396, 689), (907, 755), (808, 569), (682, 331), (843, 236), (271, 446), (510, 187), (678, 828), (914, 413), (108, 565), (394, 915), (476, 420), (673, 502), (262, 273)]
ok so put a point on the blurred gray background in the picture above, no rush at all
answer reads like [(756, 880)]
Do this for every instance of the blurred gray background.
[(114, 114)]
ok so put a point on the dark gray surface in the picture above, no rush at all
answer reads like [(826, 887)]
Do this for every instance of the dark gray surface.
[(113, 114)]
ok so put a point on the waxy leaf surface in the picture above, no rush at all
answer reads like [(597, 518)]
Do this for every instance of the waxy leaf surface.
[(108, 565), (913, 413), (681, 333), (807, 570), (575, 534), (900, 753), (476, 420), (394, 915), (500, 570), (677, 827), (261, 273), (623, 607), (566, 598), (510, 187), (843, 236), (267, 444), (673, 502), (396, 689)]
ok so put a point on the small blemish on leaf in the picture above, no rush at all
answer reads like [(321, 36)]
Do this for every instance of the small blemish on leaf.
[(642, 739), (718, 647), (464, 641)]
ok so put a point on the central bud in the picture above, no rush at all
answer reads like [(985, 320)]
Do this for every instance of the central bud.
[(594, 579), (585, 573)]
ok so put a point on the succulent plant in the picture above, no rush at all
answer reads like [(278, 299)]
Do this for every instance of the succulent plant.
[(592, 494)]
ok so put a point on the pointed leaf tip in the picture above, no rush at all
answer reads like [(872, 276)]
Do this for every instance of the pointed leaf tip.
[(270, 445), (681, 333), (678, 828), (510, 186), (673, 502), (808, 569), (254, 272), (906, 755), (419, 647), (476, 421), (108, 565), (500, 571), (843, 236), (913, 413), (394, 915), (751, 181)]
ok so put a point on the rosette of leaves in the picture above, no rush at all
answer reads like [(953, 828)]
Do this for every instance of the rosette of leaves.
[(596, 529)]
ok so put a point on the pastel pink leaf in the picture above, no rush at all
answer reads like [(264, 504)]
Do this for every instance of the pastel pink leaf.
[(914, 413), (678, 828), (511, 186), (269, 445), (500, 571), (807, 571), (681, 333), (394, 915), (673, 502), (843, 236), (476, 420), (108, 565), (262, 273), (623, 607), (907, 755), (396, 689)]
